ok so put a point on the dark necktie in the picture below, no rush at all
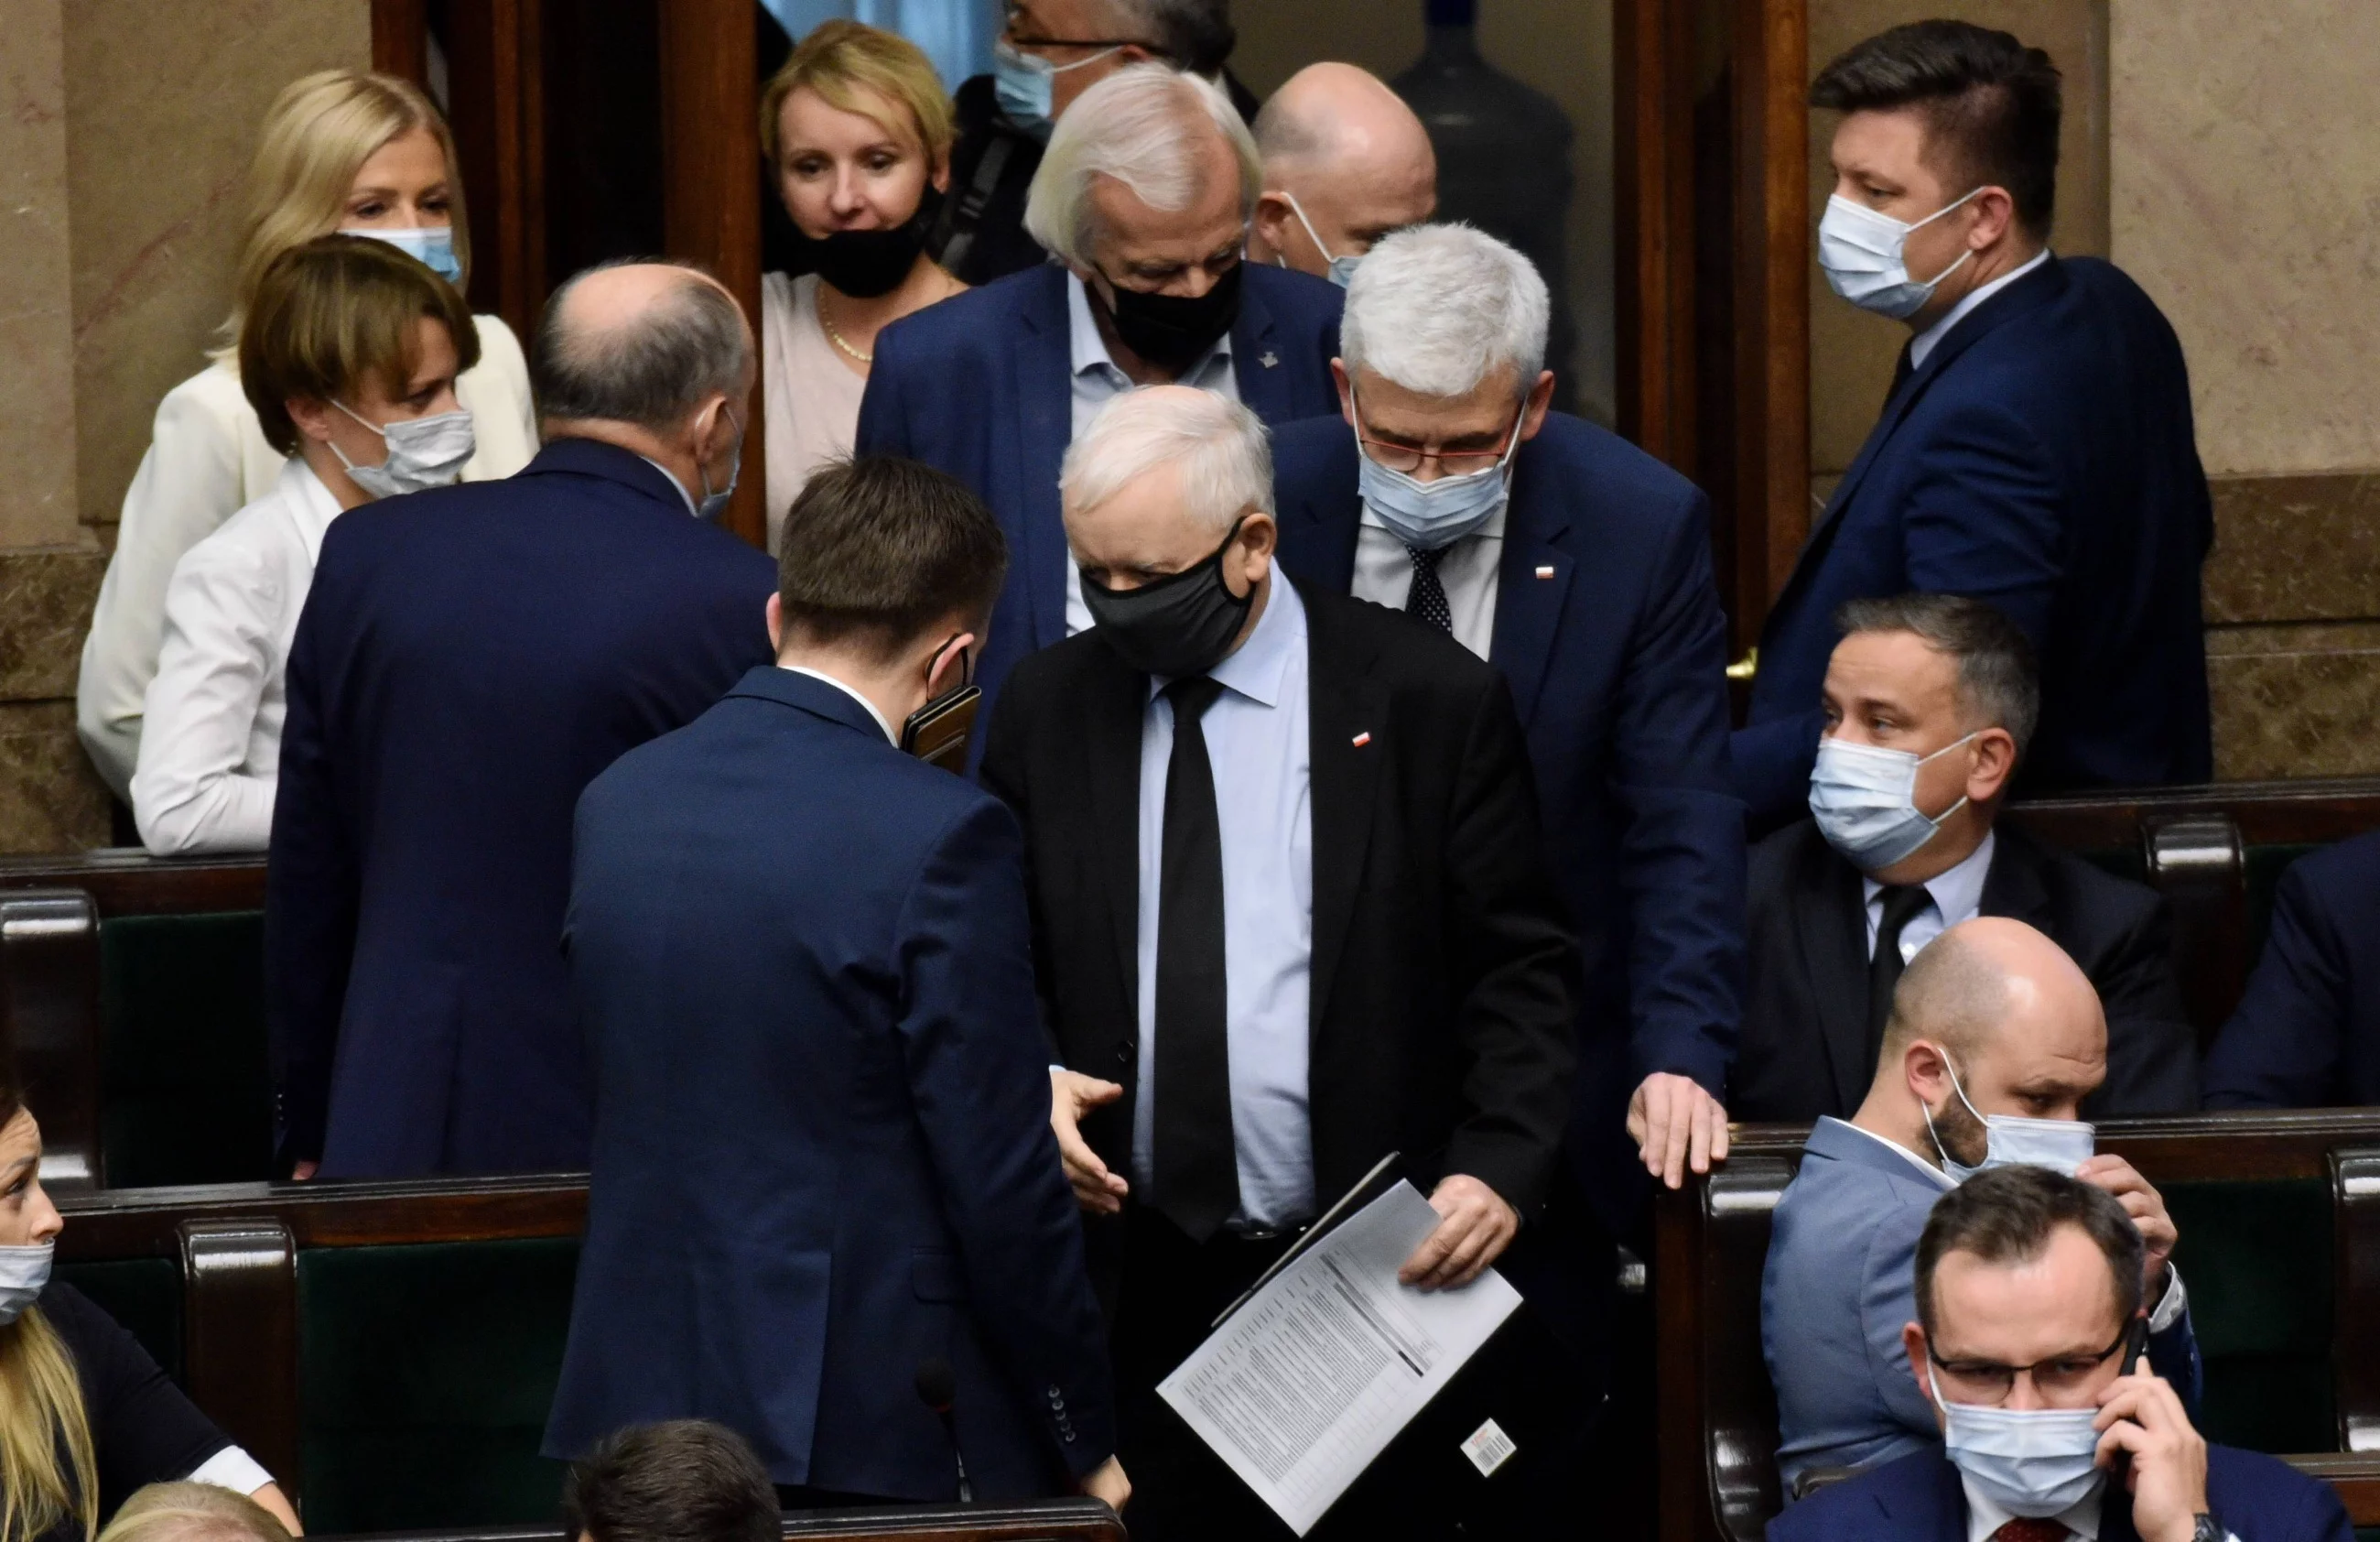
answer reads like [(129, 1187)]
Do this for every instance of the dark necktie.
[(1198, 1172), (1902, 904), (1427, 598), (2025, 1528)]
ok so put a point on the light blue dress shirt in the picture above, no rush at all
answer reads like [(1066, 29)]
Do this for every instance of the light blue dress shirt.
[(1957, 894), (1257, 734), (1098, 379)]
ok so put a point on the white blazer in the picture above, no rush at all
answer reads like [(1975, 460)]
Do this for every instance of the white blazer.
[(210, 732), (207, 458)]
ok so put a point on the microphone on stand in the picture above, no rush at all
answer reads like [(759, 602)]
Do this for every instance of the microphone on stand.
[(938, 1388)]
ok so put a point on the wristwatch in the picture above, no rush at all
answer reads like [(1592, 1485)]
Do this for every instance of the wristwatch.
[(2209, 1530)]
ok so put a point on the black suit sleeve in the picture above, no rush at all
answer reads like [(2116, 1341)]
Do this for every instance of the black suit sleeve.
[(2151, 1049), (1508, 940), (143, 1429), (1004, 774)]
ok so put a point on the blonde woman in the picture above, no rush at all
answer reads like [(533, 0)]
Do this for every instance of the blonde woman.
[(86, 1416), (342, 151), (858, 131)]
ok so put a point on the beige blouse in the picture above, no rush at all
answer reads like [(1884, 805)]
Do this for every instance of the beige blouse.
[(812, 392)]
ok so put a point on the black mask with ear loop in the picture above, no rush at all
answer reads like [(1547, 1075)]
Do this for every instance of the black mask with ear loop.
[(936, 732)]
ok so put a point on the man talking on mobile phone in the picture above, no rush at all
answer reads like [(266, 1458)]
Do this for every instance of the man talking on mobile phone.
[(827, 1208), (2027, 1343)]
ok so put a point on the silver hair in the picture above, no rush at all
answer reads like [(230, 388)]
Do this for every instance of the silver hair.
[(1438, 308), (1139, 125), (1224, 458), (1196, 35)]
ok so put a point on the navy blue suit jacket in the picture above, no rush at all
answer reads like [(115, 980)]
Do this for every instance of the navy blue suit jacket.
[(823, 1146), (1839, 1285), (2042, 459), (981, 385), (1607, 629), (466, 662), (2307, 1034), (1920, 1498)]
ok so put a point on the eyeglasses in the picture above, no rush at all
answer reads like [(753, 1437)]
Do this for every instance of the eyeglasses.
[(1988, 1383), (1408, 459)]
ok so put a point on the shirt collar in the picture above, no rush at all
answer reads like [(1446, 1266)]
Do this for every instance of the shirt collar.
[(671, 477), (1957, 892), (872, 712), (1985, 1515), (1090, 353), (310, 505), (1923, 344), (1259, 666), (1936, 1175)]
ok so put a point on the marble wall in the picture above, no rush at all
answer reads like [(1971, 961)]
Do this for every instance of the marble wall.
[(125, 128)]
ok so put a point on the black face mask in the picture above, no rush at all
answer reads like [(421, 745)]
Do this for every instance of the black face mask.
[(866, 263), (1168, 330), (1181, 624)]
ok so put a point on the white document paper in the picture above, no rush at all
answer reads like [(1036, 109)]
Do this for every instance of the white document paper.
[(1301, 1389)]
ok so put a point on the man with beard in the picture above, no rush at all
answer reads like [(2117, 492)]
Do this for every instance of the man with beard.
[(1996, 1038)]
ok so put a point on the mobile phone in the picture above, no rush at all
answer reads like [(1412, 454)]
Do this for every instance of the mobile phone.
[(2136, 1346), (936, 732)]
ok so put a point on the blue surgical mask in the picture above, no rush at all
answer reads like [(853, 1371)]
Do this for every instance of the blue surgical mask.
[(2011, 1140), (421, 452), (711, 505), (1864, 256), (1343, 269), (1023, 83), (1433, 514), (1865, 800), (432, 245), (24, 1274), (2033, 1461)]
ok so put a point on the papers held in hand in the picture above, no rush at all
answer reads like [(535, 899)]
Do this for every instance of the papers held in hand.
[(1310, 1376)]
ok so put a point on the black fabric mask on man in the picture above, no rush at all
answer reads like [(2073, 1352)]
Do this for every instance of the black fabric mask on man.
[(1172, 331), (866, 264), (1181, 624)]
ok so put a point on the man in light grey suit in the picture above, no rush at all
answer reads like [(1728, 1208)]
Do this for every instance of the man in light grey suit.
[(1992, 1021)]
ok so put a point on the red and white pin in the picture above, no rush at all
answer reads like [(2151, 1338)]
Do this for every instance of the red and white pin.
[(1546, 572), (1362, 738)]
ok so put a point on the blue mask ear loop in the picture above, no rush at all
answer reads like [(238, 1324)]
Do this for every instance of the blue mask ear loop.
[(1940, 1149)]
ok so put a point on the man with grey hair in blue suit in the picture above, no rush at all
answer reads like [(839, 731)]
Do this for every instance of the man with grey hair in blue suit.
[(1995, 1039)]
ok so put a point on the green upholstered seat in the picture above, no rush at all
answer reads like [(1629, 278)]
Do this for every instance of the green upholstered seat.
[(187, 1092), (144, 1295), (426, 1374), (2256, 1259)]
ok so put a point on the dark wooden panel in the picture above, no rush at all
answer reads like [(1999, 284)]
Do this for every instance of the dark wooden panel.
[(240, 1304), (2356, 1476), (1772, 310), (132, 1223), (2267, 813), (49, 1025), (400, 38), (1653, 158), (710, 143), (495, 78), (129, 881)]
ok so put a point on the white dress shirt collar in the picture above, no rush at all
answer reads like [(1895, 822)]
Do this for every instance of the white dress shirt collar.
[(872, 712), (311, 506), (1923, 344), (691, 508), (1956, 892), (1939, 1179), (1985, 1515), (1089, 349)]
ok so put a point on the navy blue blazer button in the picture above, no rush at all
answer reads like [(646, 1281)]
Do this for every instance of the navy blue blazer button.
[(1070, 1438), (1055, 1395)]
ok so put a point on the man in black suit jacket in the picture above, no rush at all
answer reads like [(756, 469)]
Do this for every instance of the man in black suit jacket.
[(1930, 701), (467, 661), (2307, 1034), (1313, 929)]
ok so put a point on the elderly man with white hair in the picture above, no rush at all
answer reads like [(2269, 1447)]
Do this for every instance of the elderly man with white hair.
[(1581, 568), (1142, 201), (1291, 913), (1346, 162)]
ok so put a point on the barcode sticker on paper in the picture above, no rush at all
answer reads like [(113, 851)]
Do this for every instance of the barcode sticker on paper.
[(1490, 1448)]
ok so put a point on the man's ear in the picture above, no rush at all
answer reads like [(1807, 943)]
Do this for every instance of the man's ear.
[(1927, 1071), (1346, 384), (1995, 763), (1913, 1343), (776, 615), (1995, 213), (1533, 412), (1269, 223)]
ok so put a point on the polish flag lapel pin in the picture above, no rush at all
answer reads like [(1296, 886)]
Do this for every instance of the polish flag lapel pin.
[(1362, 738)]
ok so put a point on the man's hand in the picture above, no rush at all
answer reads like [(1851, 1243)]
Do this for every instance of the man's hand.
[(1073, 1094), (1109, 1485), (2168, 1477), (2146, 1206), (301, 1173), (1675, 1125), (1474, 1226)]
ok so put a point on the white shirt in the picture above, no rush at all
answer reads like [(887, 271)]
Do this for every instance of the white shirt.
[(1097, 379), (1468, 572), (1957, 893), (812, 393), (1985, 1515), (231, 1468), (872, 712), (1923, 344), (1934, 1175), (210, 751), (207, 459), (1257, 744)]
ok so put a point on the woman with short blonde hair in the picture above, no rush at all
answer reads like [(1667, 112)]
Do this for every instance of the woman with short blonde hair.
[(857, 133), (343, 149)]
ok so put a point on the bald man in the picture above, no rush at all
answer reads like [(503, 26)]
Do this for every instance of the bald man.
[(468, 660), (1346, 162), (1992, 1021)]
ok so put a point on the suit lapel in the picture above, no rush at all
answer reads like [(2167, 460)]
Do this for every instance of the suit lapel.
[(1319, 537), (2012, 887), (1346, 703), (1831, 925), (1256, 365), (1045, 390), (1113, 718), (1531, 588)]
